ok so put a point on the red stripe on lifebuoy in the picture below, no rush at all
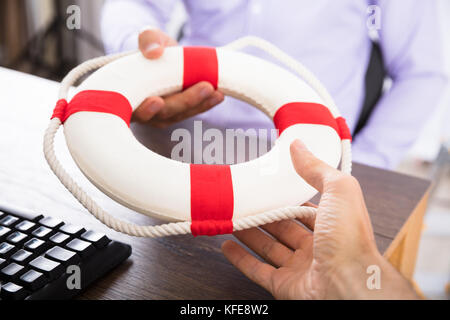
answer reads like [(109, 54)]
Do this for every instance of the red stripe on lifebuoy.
[(309, 113), (200, 64), (94, 101), (344, 130), (212, 200), (60, 109)]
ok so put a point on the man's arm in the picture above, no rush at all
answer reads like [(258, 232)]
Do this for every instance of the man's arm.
[(411, 42), (122, 20)]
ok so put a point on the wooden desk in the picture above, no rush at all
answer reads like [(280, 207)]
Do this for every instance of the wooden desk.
[(180, 267)]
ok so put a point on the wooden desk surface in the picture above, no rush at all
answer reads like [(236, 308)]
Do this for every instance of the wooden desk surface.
[(180, 267)]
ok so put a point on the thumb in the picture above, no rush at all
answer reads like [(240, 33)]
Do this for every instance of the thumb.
[(313, 170)]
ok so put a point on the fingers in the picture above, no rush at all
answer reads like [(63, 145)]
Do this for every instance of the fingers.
[(263, 245), (313, 170), (197, 99), (188, 99), (152, 43), (162, 112), (148, 109), (290, 233), (213, 100), (257, 271)]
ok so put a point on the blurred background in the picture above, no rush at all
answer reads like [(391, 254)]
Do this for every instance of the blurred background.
[(34, 39)]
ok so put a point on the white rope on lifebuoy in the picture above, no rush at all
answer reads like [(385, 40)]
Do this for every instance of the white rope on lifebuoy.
[(179, 228)]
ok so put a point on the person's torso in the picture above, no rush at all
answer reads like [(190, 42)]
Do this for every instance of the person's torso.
[(329, 37)]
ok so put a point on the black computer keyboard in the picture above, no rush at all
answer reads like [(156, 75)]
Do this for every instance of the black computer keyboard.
[(44, 258)]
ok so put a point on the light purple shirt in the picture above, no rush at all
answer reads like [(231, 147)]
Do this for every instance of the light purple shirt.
[(330, 38)]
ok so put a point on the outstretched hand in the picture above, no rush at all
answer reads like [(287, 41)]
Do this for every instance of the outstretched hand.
[(322, 259)]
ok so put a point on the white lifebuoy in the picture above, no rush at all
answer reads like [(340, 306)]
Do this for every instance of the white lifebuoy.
[(209, 197)]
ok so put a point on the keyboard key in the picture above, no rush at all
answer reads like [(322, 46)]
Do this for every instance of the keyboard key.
[(60, 238), (25, 226), (42, 232), (4, 231), (2, 263), (9, 221), (6, 250), (22, 256), (73, 230), (33, 280), (11, 291), (51, 222), (17, 238), (62, 255), (98, 239), (83, 248), (35, 245), (11, 272), (49, 268), (2, 214)]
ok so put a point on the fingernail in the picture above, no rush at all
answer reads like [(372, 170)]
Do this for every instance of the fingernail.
[(152, 46), (205, 92), (299, 145), (154, 107)]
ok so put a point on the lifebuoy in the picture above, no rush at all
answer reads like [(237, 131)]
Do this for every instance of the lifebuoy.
[(210, 198)]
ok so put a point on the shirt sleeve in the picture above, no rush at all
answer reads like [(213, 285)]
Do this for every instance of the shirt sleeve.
[(412, 46), (122, 20)]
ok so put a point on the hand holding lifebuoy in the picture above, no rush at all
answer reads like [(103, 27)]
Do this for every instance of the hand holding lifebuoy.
[(162, 112)]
